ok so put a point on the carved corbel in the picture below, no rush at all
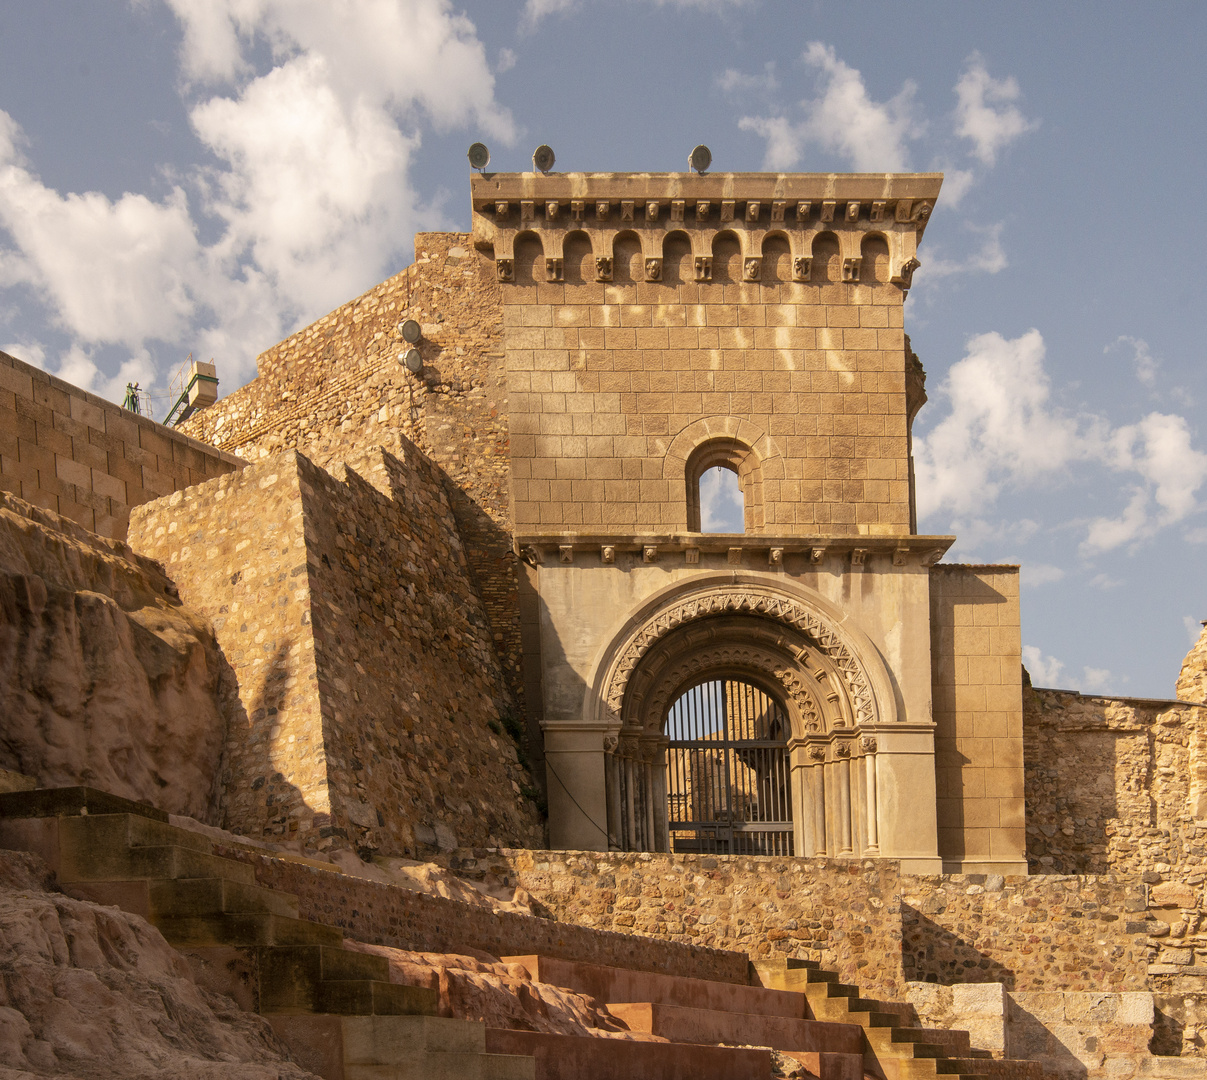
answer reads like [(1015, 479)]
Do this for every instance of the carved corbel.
[(702, 209), (577, 209), (858, 555), (827, 210), (817, 554), (677, 206), (653, 269), (752, 268), (531, 555), (567, 552), (603, 268), (775, 557), (626, 210), (905, 275), (505, 269), (877, 213), (704, 268), (692, 554), (735, 556), (502, 209), (753, 209), (802, 268), (727, 208), (803, 210), (900, 555), (610, 743), (852, 212), (905, 208), (651, 210), (602, 209), (551, 209), (607, 554), (649, 553), (553, 269), (850, 269), (527, 210), (777, 212), (932, 557), (921, 211)]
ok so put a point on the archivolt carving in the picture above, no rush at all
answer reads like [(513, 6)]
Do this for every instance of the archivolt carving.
[(674, 679), (744, 601)]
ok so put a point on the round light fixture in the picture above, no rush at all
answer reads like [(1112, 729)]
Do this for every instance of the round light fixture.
[(411, 360), (410, 331), (479, 156), (542, 158), (701, 158)]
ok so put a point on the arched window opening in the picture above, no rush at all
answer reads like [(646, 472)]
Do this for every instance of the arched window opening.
[(727, 771), (722, 507)]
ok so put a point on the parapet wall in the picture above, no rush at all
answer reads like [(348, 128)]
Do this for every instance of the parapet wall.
[(87, 459), (371, 699)]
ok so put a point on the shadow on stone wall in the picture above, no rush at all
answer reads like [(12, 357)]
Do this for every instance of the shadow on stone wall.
[(932, 953), (1029, 1038)]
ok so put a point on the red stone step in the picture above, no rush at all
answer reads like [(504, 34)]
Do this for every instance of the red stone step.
[(829, 1066), (580, 1057), (739, 1029), (624, 985)]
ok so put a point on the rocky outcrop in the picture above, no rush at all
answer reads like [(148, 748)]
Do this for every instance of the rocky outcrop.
[(1192, 679), (92, 993), (106, 679)]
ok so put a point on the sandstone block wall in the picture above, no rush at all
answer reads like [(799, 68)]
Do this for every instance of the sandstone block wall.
[(843, 913), (976, 665), (1050, 932), (337, 388), (87, 459), (612, 386), (370, 699), (106, 678)]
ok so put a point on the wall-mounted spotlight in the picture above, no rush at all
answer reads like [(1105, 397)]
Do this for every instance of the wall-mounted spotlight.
[(410, 331), (701, 158), (479, 156), (411, 360), (543, 159)]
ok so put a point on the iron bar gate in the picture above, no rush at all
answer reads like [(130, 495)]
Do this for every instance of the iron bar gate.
[(727, 771)]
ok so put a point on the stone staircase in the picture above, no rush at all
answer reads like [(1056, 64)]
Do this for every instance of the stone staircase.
[(335, 1008), (344, 1020)]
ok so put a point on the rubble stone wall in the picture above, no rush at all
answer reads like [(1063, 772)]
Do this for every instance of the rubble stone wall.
[(337, 387), (85, 458), (844, 913), (1049, 932), (370, 697)]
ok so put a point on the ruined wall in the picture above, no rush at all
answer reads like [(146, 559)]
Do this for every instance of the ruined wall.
[(337, 388), (370, 699), (106, 678), (844, 913), (87, 459), (1028, 933), (976, 658)]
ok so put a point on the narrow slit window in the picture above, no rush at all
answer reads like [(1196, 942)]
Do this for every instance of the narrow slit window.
[(722, 507)]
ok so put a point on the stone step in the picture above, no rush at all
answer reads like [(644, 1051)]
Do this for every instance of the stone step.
[(625, 985), (320, 979), (245, 931), (952, 1043), (826, 1066), (578, 1057), (997, 1068), (72, 802), (709, 1026), (168, 898)]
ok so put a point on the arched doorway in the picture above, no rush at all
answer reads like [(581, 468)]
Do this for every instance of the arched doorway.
[(728, 774)]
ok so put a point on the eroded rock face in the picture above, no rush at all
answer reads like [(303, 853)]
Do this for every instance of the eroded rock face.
[(92, 993), (1192, 680), (106, 679)]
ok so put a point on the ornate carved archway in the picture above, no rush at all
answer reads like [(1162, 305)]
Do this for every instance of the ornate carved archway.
[(755, 633)]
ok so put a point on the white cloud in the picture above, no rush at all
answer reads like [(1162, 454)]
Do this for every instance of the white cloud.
[(732, 81), (1044, 670), (1096, 679), (1033, 575), (1002, 431), (32, 352), (1105, 582), (536, 10), (310, 187), (507, 60), (1194, 628), (986, 113), (721, 502), (989, 258), (1143, 361), (843, 119)]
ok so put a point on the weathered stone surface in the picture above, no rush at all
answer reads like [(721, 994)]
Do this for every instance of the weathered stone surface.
[(1192, 679), (106, 678), (93, 993)]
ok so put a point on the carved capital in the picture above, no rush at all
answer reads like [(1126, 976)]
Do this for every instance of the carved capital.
[(842, 749), (817, 752), (610, 742), (867, 744)]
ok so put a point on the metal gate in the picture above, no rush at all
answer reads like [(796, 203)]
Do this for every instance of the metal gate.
[(727, 771)]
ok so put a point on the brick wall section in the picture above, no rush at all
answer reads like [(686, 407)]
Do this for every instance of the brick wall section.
[(382, 914), (845, 914), (87, 459), (976, 660), (337, 387), (1028, 933), (364, 659), (603, 377)]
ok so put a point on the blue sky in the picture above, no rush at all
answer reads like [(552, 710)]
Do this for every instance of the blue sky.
[(206, 175)]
